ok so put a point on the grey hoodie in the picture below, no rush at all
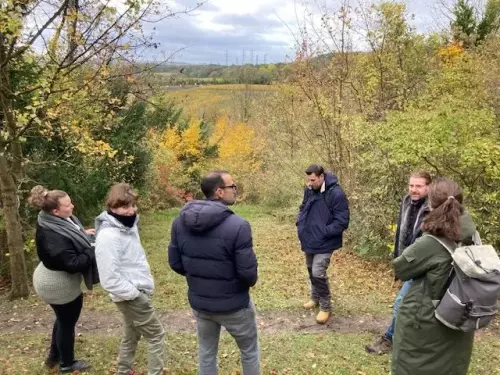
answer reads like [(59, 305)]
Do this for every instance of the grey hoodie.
[(123, 268)]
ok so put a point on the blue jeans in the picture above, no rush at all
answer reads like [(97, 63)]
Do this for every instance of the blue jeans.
[(242, 325), (401, 295)]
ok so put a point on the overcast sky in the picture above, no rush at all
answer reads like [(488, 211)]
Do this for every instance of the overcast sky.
[(237, 30)]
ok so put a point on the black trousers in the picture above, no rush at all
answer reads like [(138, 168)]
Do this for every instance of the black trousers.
[(62, 347)]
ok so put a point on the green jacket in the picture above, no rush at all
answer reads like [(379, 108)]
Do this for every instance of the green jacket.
[(421, 344)]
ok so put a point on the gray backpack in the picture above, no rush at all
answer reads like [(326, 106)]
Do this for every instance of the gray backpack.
[(470, 301)]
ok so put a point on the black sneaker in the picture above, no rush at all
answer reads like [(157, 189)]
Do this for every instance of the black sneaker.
[(76, 366)]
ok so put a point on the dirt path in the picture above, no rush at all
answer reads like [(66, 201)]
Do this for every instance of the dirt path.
[(40, 318)]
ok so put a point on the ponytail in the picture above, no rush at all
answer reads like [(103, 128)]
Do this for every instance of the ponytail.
[(445, 199)]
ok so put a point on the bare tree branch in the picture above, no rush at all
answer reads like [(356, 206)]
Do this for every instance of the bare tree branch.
[(32, 40)]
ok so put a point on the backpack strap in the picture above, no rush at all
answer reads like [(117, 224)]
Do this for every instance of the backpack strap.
[(476, 239), (442, 242), (452, 270)]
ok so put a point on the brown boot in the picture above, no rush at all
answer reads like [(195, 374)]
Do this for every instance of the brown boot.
[(311, 304), (382, 346), (323, 317)]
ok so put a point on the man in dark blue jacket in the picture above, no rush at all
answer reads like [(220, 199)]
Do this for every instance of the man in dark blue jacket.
[(323, 217), (212, 247)]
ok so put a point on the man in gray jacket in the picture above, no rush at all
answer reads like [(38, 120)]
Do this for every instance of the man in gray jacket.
[(412, 212)]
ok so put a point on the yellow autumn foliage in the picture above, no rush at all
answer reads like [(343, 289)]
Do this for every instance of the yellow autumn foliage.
[(236, 145), (451, 53), (171, 139), (90, 147), (191, 144), (182, 155), (187, 143)]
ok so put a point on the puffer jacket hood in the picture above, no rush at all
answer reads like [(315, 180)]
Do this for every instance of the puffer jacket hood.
[(201, 216), (105, 220), (330, 180)]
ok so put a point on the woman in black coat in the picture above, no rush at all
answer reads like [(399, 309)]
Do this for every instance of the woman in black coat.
[(66, 254)]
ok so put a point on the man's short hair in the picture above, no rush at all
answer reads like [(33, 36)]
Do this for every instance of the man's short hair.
[(211, 182), (423, 175), (317, 169)]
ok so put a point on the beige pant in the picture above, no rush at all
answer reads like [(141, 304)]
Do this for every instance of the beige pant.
[(140, 319)]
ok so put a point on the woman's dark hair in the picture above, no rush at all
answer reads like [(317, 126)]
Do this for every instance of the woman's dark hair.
[(46, 200), (445, 200), (121, 195)]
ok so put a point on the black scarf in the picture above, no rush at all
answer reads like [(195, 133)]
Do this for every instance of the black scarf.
[(128, 221)]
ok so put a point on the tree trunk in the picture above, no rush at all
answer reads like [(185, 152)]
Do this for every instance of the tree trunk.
[(18, 273), (4, 271)]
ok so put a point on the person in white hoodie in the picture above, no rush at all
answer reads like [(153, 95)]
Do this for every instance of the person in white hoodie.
[(125, 273)]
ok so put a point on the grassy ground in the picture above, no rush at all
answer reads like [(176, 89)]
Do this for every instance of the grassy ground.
[(283, 353), (360, 288)]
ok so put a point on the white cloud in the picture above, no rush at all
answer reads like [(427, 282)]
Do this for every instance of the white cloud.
[(258, 27)]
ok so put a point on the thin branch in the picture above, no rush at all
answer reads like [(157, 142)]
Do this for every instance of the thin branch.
[(105, 33), (30, 42), (436, 168)]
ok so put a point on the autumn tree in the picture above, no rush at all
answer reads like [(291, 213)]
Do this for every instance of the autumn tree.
[(399, 59), (187, 149), (321, 71), (56, 59)]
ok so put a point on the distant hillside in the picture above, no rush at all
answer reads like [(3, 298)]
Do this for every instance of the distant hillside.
[(262, 74), (220, 74)]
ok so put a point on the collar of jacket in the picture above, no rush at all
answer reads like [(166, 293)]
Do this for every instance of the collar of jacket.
[(404, 217), (407, 202), (323, 187)]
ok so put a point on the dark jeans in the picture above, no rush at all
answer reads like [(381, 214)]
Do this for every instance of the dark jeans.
[(63, 334)]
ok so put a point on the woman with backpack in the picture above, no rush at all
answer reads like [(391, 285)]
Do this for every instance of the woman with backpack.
[(422, 344)]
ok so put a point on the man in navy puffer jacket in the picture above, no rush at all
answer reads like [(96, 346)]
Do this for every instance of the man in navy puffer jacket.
[(212, 247), (323, 217)]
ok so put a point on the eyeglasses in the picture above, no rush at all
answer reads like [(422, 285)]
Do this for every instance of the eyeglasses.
[(416, 186), (233, 186)]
